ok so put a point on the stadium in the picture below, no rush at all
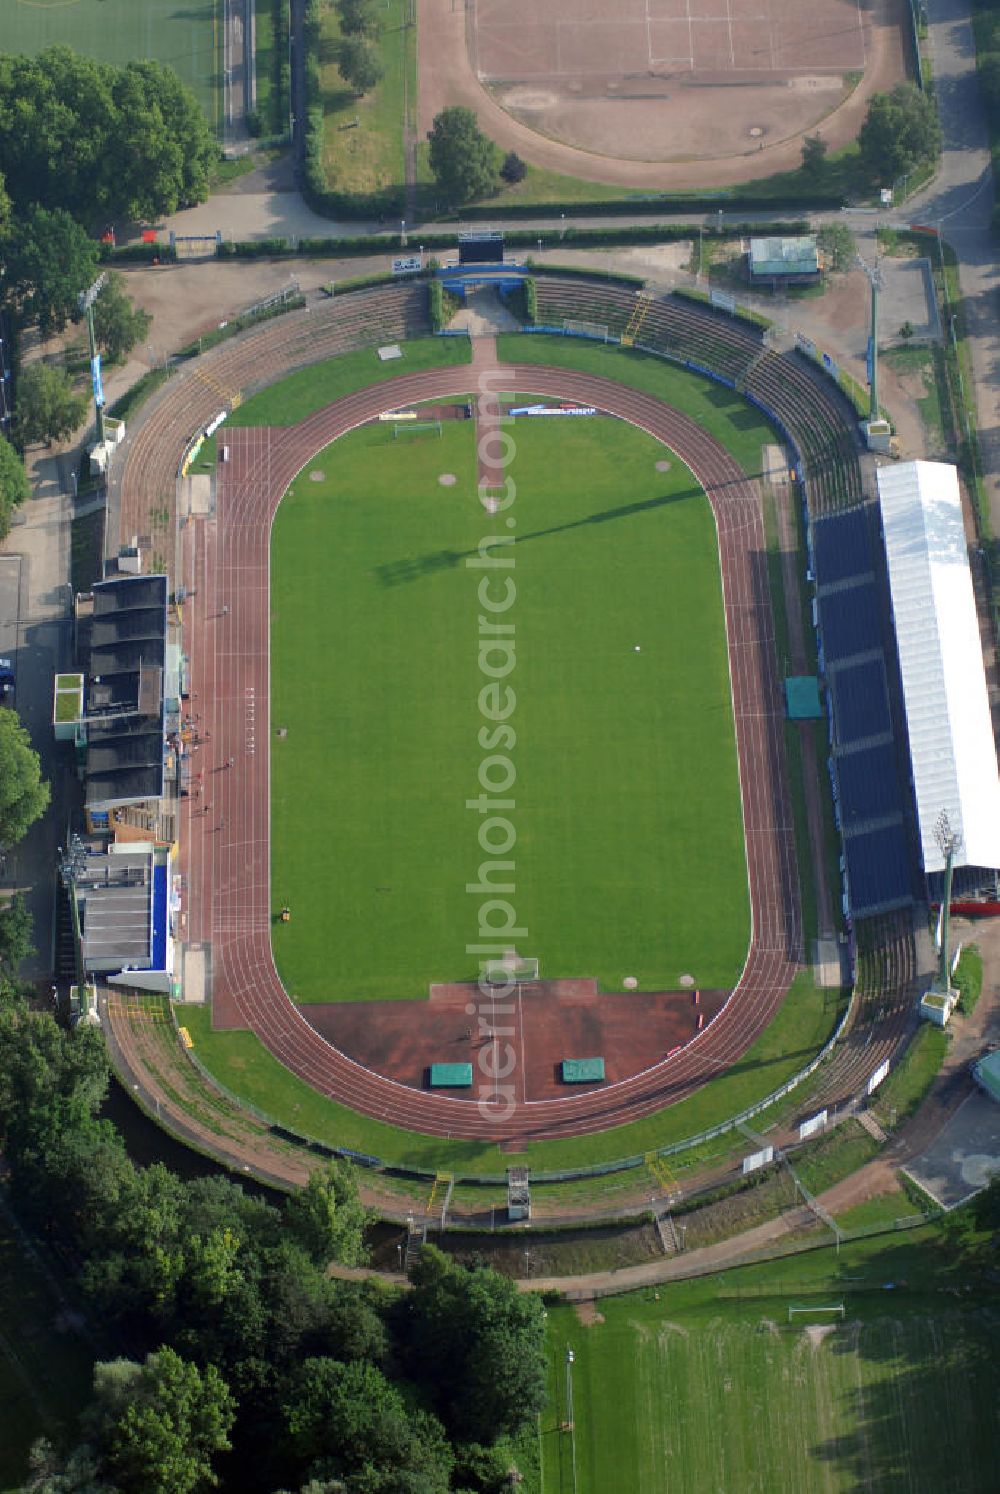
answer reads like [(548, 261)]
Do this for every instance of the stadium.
[(602, 1051)]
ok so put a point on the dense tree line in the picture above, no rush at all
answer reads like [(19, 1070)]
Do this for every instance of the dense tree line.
[(100, 141), (246, 1362)]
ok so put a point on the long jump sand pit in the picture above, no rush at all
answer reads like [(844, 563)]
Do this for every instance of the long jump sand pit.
[(669, 81)]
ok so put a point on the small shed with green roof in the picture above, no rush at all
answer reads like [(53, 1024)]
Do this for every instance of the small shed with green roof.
[(451, 1076), (583, 1070)]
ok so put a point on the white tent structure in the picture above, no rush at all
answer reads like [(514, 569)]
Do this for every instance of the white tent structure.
[(952, 750)]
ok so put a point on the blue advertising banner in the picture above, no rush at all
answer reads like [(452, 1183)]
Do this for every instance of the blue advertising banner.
[(95, 377)]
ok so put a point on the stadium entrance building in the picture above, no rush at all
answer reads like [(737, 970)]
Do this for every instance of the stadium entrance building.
[(481, 263)]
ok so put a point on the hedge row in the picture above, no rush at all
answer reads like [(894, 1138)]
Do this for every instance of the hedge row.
[(746, 202), (585, 272), (281, 80), (239, 324), (139, 252), (518, 238)]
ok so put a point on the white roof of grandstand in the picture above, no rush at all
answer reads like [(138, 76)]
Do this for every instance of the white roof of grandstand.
[(952, 751)]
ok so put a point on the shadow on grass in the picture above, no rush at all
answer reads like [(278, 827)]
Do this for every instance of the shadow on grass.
[(398, 572)]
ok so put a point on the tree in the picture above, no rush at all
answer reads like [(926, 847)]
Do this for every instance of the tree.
[(48, 407), (989, 81), (837, 243), (100, 140), (24, 795), (814, 162), (901, 131), (15, 934), (358, 17), (163, 149), (50, 260), (477, 1343), (464, 161), (4, 206), (359, 64), (14, 486), (156, 1426), (118, 323), (348, 1419), (513, 168), (327, 1217)]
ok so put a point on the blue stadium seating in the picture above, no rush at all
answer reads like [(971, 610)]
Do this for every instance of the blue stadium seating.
[(850, 620), (842, 545), (860, 701), (869, 785), (879, 869)]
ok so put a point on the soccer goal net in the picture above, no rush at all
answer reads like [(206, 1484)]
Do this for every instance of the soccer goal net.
[(511, 970), (599, 330), (415, 428), (835, 1310)]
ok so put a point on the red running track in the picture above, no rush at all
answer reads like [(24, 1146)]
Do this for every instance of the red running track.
[(227, 828)]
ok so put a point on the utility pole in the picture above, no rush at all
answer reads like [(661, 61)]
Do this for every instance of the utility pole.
[(87, 299)]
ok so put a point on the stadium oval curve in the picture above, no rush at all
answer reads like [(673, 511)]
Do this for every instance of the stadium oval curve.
[(228, 875)]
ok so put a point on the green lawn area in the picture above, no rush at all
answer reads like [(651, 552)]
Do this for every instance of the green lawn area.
[(308, 390), (188, 37), (367, 156), (706, 1386), (629, 853), (902, 1092), (925, 365), (45, 1367), (722, 412), (272, 106)]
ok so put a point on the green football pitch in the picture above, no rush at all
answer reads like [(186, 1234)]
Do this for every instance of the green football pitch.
[(186, 36), (689, 1389), (629, 857)]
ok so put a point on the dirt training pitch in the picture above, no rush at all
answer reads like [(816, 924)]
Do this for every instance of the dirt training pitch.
[(621, 41), (636, 92), (631, 77)]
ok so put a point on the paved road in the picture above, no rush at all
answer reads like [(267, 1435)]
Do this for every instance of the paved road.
[(960, 200), (35, 628)]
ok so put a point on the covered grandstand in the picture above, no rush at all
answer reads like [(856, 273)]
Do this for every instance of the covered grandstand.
[(953, 756), (867, 764)]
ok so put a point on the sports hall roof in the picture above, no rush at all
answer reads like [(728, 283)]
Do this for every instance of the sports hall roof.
[(952, 750)]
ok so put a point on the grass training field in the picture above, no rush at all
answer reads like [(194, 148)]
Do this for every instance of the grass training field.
[(629, 857), (708, 1387), (188, 36)]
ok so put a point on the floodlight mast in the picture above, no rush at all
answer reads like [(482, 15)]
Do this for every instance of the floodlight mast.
[(950, 843), (86, 303), (874, 274)]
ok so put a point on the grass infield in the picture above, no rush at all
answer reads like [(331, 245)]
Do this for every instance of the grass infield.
[(629, 856), (188, 37), (708, 1381)]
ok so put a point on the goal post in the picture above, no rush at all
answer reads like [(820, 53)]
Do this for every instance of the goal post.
[(833, 1310), (415, 428), (576, 328), (512, 970)]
